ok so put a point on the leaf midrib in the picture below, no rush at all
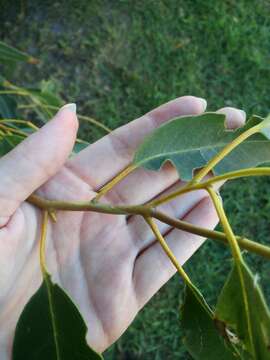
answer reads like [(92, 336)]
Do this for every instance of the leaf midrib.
[(51, 307), (194, 150)]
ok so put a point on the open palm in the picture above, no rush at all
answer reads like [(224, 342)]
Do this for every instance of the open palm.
[(110, 265)]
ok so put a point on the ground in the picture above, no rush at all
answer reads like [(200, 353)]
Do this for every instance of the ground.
[(119, 59)]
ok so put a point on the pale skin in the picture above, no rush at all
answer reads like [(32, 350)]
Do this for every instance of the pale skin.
[(111, 265)]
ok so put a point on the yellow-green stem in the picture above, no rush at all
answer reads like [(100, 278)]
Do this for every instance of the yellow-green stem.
[(80, 117), (168, 251), (17, 121), (236, 254), (42, 244), (225, 151), (244, 243), (225, 223), (263, 171), (12, 130), (115, 181), (13, 92), (36, 103), (52, 205)]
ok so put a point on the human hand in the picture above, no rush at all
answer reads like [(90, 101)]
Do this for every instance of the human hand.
[(110, 265)]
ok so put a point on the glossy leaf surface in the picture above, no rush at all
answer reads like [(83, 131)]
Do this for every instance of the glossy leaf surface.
[(10, 53), (190, 142), (51, 327), (7, 107), (8, 142), (250, 318), (201, 336)]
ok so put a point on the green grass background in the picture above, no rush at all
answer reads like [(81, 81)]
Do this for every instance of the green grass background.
[(119, 59)]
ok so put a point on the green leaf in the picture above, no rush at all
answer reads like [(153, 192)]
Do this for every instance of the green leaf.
[(79, 146), (46, 98), (8, 142), (7, 107), (9, 66), (234, 311), (8, 52), (201, 336), (189, 142), (51, 327), (265, 130)]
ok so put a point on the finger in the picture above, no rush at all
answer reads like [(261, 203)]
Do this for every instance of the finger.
[(142, 185), (235, 118), (153, 268), (103, 160), (178, 208), (36, 159)]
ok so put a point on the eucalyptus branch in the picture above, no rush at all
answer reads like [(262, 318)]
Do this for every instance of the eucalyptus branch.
[(236, 255), (13, 92), (30, 125), (167, 250), (225, 151), (176, 264), (124, 173), (42, 244), (18, 121), (225, 224), (80, 117), (81, 141), (8, 129), (263, 171), (37, 103), (88, 206), (52, 205), (243, 242)]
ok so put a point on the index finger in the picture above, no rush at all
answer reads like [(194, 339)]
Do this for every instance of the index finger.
[(103, 160)]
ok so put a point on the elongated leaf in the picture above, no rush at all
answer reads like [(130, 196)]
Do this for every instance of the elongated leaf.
[(51, 327), (7, 107), (8, 142), (8, 52), (201, 336), (189, 142), (234, 312), (46, 100)]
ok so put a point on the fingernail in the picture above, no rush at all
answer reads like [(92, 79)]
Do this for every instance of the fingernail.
[(204, 102), (71, 107)]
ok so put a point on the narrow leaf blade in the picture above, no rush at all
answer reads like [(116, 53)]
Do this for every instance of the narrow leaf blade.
[(10, 53), (9, 142), (231, 310), (7, 107), (51, 327), (201, 336)]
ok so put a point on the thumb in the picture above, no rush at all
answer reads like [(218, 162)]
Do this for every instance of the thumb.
[(36, 159)]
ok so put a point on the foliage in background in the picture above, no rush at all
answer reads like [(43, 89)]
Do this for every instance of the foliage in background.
[(117, 61)]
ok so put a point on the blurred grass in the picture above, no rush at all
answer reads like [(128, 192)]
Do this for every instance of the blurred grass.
[(117, 60)]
